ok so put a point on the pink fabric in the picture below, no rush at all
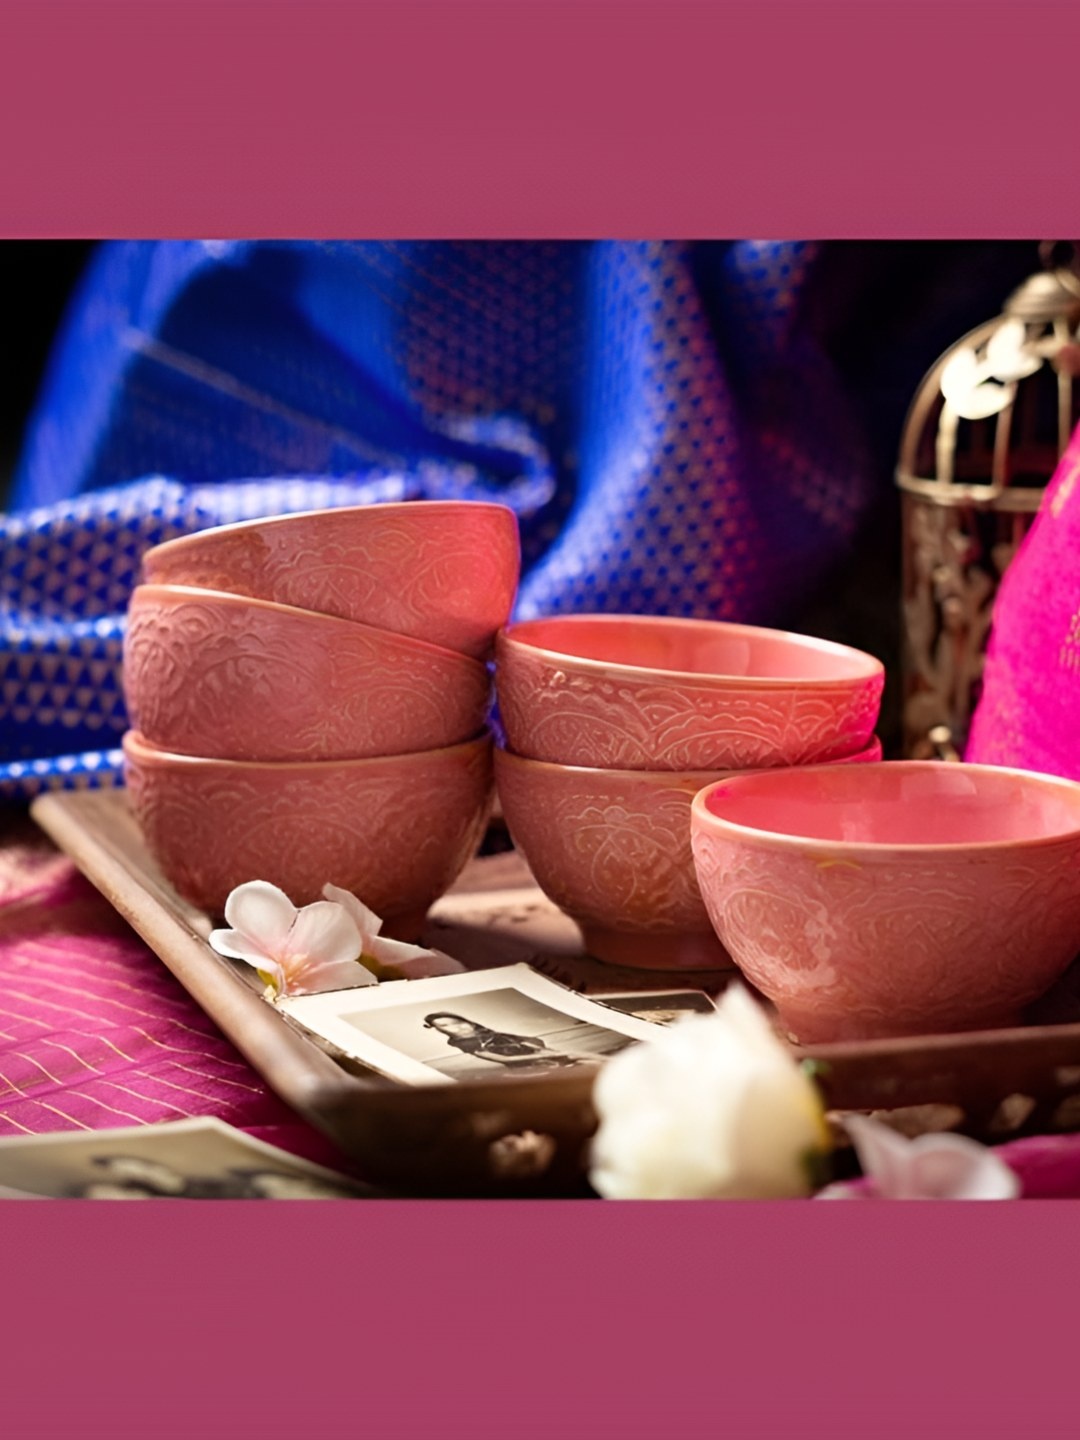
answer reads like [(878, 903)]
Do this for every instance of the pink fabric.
[(95, 1032), (1027, 715)]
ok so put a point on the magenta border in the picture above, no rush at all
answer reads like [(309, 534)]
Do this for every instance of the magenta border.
[(567, 118), (541, 117), (527, 1321)]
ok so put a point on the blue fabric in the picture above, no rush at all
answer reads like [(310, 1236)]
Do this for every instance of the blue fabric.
[(661, 416)]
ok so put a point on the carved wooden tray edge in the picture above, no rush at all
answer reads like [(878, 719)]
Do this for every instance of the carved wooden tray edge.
[(528, 1136)]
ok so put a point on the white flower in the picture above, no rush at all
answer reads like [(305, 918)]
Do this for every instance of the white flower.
[(714, 1107), (297, 952), (389, 959), (1008, 355), (931, 1167), (967, 383)]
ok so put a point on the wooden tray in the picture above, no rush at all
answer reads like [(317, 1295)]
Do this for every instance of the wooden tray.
[(528, 1136)]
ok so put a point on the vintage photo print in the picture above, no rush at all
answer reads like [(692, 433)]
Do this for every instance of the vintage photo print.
[(197, 1159), (662, 1007), (510, 1021)]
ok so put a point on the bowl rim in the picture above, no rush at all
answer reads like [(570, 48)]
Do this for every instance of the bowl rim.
[(872, 667), (135, 746), (353, 512), (709, 775), (176, 593), (702, 818)]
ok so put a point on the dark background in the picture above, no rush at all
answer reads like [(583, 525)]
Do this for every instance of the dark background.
[(36, 281)]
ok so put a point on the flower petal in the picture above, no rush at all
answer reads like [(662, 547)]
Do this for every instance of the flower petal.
[(960, 374), (985, 400), (365, 920), (310, 977), (932, 1167), (1006, 355), (222, 942), (746, 1019), (968, 388), (263, 913), (848, 1190), (322, 932), (952, 1167), (714, 1107), (885, 1157), (409, 962), (237, 946)]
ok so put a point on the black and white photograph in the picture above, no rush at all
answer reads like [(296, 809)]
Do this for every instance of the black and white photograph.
[(510, 1021), (662, 1007), (197, 1159)]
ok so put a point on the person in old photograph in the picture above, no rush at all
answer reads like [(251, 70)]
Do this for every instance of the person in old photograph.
[(499, 1046), (131, 1177)]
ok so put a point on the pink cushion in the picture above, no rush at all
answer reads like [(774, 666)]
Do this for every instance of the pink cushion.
[(1027, 715), (96, 1033)]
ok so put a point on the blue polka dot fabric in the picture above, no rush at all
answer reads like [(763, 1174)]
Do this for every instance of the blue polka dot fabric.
[(661, 416)]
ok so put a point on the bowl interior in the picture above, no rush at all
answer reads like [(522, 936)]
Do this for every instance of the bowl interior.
[(900, 803), (696, 647)]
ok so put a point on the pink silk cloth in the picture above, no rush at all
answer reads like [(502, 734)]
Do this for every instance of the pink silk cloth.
[(1029, 712), (95, 1032)]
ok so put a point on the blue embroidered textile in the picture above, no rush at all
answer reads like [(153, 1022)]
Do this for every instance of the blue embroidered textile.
[(661, 416)]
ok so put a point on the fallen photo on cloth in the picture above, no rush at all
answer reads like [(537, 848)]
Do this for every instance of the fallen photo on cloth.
[(511, 1020), (197, 1159)]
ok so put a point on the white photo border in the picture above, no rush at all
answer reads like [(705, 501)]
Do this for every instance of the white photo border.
[(322, 1014)]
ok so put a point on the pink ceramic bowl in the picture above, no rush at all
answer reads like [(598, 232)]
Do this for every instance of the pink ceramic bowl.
[(634, 693), (612, 849), (231, 678), (440, 570), (903, 898), (395, 831)]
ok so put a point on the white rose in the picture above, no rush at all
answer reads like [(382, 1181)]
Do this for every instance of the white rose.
[(715, 1107)]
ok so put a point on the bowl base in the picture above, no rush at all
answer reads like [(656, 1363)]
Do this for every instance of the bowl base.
[(804, 1029), (643, 951)]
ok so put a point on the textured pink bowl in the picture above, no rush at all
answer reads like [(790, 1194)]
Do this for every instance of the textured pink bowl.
[(395, 831), (612, 849), (440, 570), (902, 898), (634, 693), (227, 677)]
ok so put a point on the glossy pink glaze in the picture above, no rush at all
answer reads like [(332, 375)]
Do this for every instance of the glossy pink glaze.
[(227, 677), (395, 831), (648, 693), (445, 571), (901, 898), (612, 849)]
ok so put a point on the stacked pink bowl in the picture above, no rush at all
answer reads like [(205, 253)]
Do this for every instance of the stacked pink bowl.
[(309, 698), (614, 722)]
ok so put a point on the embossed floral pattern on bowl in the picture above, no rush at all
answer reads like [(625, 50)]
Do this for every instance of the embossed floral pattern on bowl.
[(653, 693), (612, 849), (397, 830), (900, 898), (228, 677), (445, 571)]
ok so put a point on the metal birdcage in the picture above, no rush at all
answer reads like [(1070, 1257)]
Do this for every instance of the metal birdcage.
[(982, 438)]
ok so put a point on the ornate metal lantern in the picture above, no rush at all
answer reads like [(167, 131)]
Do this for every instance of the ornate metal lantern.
[(981, 440)]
